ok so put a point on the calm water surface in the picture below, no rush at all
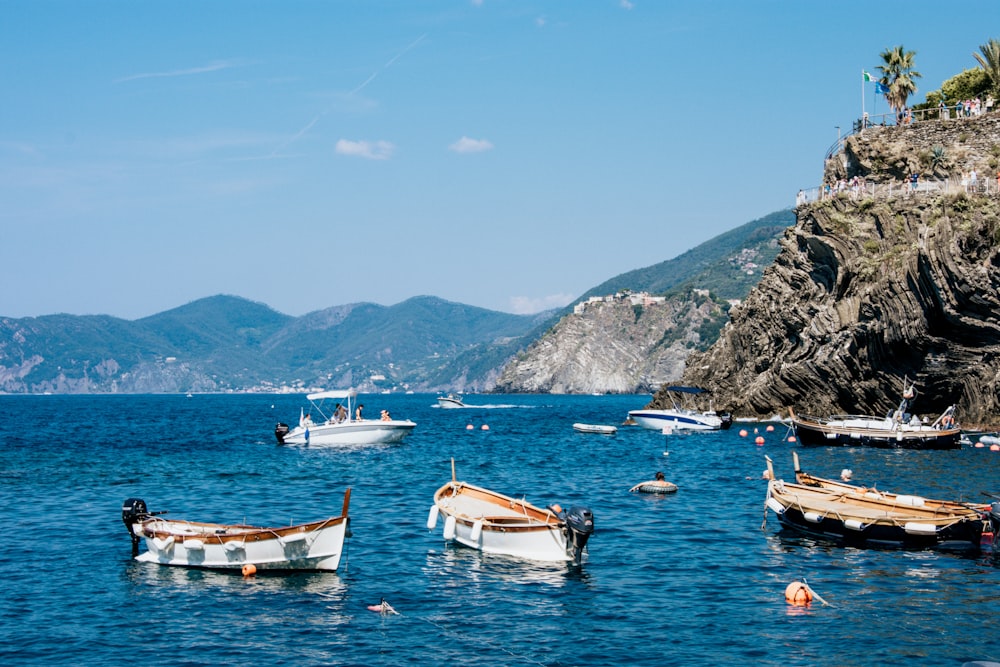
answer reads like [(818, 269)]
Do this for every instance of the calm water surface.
[(690, 578)]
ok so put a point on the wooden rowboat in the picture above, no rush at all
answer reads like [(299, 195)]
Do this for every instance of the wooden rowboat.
[(316, 545), (495, 523), (859, 516)]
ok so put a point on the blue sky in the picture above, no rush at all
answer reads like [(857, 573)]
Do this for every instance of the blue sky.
[(505, 154)]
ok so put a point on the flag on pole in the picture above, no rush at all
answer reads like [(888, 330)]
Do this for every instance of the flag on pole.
[(881, 89), (866, 76)]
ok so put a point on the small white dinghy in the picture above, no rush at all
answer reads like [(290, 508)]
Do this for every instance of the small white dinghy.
[(601, 429), (316, 545)]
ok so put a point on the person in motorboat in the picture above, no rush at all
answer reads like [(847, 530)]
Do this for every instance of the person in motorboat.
[(357, 413), (385, 416), (339, 413)]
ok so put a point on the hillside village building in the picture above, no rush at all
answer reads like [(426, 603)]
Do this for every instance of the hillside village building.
[(634, 298)]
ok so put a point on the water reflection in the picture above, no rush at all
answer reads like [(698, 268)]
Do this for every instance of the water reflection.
[(459, 563)]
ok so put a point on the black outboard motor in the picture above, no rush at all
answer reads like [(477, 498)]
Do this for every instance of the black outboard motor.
[(579, 528), (133, 511), (280, 431)]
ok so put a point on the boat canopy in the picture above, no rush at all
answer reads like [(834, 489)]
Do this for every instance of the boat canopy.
[(688, 390), (336, 393)]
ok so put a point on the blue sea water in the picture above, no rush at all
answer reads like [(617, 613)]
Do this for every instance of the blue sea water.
[(691, 578)]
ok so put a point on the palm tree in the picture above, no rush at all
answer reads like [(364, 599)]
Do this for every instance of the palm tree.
[(990, 62), (898, 76)]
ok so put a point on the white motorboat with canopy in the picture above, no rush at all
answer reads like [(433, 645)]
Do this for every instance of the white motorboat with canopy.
[(451, 401), (340, 424), (679, 417)]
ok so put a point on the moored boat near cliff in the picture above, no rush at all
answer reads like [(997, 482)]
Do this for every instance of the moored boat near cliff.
[(897, 430)]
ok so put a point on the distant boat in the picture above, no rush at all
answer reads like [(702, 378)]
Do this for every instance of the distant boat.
[(500, 524), (601, 429), (897, 430), (451, 401), (680, 417), (867, 517), (316, 545), (345, 428)]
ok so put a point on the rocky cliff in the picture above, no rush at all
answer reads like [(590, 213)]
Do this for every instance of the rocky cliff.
[(871, 288), (615, 347)]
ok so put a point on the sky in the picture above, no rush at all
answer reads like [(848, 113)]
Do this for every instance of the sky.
[(505, 154)]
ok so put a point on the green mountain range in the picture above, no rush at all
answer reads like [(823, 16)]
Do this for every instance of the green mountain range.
[(227, 343)]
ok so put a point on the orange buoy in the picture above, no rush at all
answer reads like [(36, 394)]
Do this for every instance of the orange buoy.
[(743, 433), (249, 570), (791, 438), (995, 447), (759, 440), (468, 427), (770, 427), (798, 593), (485, 427), (980, 444)]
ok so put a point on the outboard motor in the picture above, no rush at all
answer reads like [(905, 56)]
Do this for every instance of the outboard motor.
[(579, 528), (133, 511), (995, 518), (280, 431)]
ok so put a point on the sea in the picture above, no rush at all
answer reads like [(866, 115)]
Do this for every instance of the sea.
[(693, 578)]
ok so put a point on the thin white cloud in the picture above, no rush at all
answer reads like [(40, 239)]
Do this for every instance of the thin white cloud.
[(214, 66), (467, 145), (625, 4), (372, 150), (525, 305), (357, 89)]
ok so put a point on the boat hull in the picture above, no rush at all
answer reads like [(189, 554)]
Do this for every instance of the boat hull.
[(312, 546), (817, 433), (675, 420), (964, 535), (600, 429), (450, 402), (367, 432)]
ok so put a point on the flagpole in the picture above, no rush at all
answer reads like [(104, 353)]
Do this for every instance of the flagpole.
[(863, 82)]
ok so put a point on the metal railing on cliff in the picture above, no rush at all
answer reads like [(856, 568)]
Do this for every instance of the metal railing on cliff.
[(860, 189)]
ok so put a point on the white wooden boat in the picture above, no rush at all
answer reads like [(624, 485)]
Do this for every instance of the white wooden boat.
[(495, 523), (316, 545), (340, 424), (601, 429), (867, 517)]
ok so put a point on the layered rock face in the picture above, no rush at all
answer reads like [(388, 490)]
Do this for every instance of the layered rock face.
[(870, 290), (612, 347)]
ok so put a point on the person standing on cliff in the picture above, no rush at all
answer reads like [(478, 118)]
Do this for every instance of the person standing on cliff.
[(914, 177), (800, 198)]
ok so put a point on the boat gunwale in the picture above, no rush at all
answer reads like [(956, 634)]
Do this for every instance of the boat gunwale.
[(539, 519)]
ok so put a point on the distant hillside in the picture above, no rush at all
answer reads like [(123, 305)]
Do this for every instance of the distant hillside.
[(226, 343), (721, 264), (629, 345)]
